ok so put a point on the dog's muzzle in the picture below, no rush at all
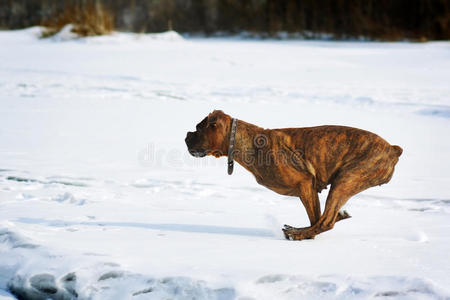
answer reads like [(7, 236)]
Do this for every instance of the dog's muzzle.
[(190, 143)]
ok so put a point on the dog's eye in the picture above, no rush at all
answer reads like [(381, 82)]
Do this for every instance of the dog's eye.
[(212, 125)]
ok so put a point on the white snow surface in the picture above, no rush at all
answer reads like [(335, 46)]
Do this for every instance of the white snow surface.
[(99, 198)]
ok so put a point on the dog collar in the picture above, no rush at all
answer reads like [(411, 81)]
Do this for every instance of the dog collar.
[(231, 146)]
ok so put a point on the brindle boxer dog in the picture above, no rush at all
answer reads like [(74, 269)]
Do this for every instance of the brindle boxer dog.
[(301, 162)]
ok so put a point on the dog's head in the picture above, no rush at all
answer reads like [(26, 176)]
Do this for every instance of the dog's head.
[(211, 137)]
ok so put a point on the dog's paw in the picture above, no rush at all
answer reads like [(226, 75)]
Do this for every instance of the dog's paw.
[(297, 234), (288, 227), (342, 215)]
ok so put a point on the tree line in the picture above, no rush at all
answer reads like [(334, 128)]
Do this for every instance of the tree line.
[(342, 19)]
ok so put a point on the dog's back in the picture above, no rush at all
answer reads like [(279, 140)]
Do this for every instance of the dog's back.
[(331, 149)]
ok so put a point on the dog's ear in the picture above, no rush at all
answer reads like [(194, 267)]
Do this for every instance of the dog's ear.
[(218, 112), (214, 116), (212, 120)]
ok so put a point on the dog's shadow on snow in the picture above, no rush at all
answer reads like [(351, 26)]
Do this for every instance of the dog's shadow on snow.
[(187, 228)]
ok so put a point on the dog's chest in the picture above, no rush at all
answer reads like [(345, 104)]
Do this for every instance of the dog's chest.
[(277, 180)]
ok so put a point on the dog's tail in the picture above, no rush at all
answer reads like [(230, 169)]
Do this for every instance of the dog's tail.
[(397, 150)]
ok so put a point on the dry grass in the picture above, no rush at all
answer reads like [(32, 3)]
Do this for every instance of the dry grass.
[(87, 20)]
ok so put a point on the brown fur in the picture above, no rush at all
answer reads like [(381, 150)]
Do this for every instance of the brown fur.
[(302, 162)]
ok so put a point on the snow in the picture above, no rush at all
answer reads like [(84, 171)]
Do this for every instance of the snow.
[(99, 197), (66, 33)]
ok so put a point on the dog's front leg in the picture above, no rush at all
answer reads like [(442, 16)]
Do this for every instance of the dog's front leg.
[(310, 199)]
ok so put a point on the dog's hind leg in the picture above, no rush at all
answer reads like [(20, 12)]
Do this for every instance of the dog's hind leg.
[(344, 187)]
